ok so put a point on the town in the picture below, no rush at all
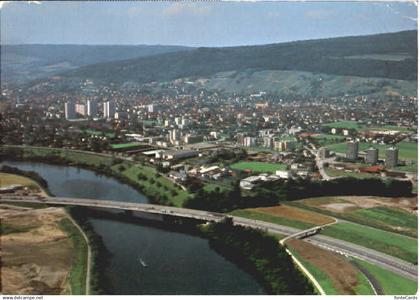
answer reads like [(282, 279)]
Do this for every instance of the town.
[(196, 135)]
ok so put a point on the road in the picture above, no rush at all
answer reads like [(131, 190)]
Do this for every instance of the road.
[(320, 163), (385, 261)]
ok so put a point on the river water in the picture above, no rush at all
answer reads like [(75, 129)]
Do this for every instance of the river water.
[(178, 263)]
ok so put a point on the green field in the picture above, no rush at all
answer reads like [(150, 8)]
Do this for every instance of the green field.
[(153, 183), (386, 128), (78, 271), (343, 125), (126, 145), (381, 217), (260, 167), (379, 240), (386, 218), (406, 151), (249, 214), (391, 283), (326, 139)]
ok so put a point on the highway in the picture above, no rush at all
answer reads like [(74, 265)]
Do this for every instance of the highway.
[(385, 261)]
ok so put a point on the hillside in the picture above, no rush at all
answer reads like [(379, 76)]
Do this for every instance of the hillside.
[(20, 63), (298, 83), (391, 55)]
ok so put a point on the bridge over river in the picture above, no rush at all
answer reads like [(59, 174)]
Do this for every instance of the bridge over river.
[(385, 261)]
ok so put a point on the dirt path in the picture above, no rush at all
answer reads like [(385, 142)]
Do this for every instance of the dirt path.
[(89, 255)]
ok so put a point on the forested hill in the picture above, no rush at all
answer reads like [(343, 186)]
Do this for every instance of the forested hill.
[(21, 63), (390, 55)]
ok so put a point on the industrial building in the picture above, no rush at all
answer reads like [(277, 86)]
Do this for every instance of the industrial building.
[(352, 150), (391, 157), (324, 153), (371, 156)]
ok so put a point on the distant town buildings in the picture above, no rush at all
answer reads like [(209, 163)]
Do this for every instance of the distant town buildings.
[(249, 141), (174, 135), (391, 157), (69, 110), (352, 150), (91, 108), (81, 109), (109, 109)]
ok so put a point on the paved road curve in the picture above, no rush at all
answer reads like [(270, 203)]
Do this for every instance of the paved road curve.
[(388, 262)]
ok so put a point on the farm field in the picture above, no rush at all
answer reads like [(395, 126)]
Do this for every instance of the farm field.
[(336, 275), (391, 214), (391, 283), (260, 167), (285, 215), (379, 240)]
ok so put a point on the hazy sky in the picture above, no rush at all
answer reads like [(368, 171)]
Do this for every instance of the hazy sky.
[(197, 23)]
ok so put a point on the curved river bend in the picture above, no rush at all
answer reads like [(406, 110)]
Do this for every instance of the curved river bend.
[(177, 263)]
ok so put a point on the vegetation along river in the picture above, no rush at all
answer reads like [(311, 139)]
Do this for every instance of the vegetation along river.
[(177, 263)]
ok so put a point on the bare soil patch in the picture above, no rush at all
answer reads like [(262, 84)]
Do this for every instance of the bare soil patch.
[(294, 213), (36, 255), (350, 203)]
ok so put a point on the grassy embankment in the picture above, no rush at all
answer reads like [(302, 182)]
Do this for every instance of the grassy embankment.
[(391, 283), (341, 281), (7, 179), (77, 276), (149, 182), (260, 167)]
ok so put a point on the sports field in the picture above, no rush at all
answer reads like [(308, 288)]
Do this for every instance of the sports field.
[(259, 167), (125, 145)]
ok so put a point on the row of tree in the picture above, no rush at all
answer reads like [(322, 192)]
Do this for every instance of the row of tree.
[(269, 194), (260, 255)]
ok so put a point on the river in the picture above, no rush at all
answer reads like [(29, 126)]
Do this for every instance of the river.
[(177, 263)]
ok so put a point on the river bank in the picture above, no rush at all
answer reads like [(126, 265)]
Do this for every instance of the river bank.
[(164, 251), (145, 179)]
